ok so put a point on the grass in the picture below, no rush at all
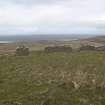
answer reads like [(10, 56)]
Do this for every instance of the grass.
[(45, 79)]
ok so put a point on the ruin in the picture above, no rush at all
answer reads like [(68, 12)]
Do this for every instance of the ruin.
[(87, 48), (58, 49), (100, 48), (22, 51)]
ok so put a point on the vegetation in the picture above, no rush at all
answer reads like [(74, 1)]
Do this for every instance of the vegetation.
[(53, 79)]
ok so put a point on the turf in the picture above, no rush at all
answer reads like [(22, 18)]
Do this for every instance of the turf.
[(45, 78)]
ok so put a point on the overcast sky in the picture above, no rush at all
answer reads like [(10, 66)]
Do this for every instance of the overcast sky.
[(52, 16)]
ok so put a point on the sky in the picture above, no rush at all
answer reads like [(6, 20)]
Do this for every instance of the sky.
[(20, 17)]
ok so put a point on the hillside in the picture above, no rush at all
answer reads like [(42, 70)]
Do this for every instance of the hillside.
[(75, 78), (97, 39), (53, 79)]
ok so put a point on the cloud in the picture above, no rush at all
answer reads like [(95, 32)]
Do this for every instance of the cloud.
[(34, 2), (52, 16)]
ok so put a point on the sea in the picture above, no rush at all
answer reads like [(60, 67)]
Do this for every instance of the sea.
[(1, 42), (29, 38)]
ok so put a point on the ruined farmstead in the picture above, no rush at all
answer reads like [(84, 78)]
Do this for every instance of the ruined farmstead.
[(87, 48), (58, 49), (22, 51), (100, 48)]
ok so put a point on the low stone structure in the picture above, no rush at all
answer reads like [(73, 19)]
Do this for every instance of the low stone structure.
[(58, 49), (100, 48), (87, 48), (22, 51)]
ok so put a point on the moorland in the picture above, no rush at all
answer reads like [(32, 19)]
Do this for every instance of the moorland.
[(59, 78)]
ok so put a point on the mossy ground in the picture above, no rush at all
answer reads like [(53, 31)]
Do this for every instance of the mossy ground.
[(35, 79)]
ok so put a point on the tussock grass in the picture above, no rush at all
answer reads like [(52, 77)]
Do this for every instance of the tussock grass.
[(45, 79)]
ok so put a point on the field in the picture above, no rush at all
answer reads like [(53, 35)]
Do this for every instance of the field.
[(53, 78)]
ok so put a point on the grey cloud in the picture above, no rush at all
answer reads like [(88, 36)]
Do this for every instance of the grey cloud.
[(34, 2), (81, 16)]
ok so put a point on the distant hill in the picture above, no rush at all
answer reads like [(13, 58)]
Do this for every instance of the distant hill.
[(97, 39), (28, 38)]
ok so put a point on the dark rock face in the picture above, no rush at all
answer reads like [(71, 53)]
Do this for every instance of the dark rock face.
[(87, 48), (22, 51), (58, 49)]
